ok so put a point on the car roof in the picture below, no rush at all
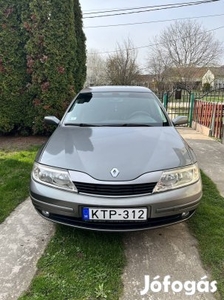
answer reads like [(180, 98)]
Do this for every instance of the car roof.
[(116, 88)]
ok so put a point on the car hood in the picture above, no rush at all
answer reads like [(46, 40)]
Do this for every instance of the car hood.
[(132, 150)]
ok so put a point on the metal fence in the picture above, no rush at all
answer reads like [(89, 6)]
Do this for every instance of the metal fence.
[(216, 96), (177, 102), (206, 109)]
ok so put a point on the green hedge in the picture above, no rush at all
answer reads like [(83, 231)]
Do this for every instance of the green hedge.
[(42, 62), (80, 71), (14, 99)]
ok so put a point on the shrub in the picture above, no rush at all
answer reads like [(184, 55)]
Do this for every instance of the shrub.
[(14, 100), (42, 61)]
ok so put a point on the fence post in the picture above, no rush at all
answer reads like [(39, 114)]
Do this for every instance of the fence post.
[(212, 127), (165, 100), (191, 109), (222, 138)]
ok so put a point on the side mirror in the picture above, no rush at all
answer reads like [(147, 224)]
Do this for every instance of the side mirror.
[(180, 120), (51, 120)]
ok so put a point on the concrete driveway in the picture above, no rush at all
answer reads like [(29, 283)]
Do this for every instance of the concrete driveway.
[(168, 251)]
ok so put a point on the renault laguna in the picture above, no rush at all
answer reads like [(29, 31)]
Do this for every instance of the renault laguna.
[(115, 162)]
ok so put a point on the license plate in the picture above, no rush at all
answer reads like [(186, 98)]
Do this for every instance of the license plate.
[(114, 214)]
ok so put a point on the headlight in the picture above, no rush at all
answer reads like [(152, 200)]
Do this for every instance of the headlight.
[(58, 178), (177, 178)]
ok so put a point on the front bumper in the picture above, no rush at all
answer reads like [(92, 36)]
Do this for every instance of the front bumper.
[(164, 208)]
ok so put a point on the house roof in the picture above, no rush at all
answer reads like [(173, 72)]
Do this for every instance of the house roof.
[(217, 71), (194, 73), (191, 72)]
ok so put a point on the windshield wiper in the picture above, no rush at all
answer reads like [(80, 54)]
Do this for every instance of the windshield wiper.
[(136, 125), (110, 125), (82, 124)]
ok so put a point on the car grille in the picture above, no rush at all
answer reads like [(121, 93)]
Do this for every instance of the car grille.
[(115, 189)]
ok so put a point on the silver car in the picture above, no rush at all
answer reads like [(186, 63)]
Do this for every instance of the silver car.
[(115, 162)]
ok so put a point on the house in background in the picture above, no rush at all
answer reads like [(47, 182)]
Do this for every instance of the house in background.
[(192, 78), (172, 78), (215, 77)]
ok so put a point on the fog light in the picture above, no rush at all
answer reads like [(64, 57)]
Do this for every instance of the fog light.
[(185, 214), (45, 213)]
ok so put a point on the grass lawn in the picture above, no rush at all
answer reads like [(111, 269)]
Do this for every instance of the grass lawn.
[(208, 227), (15, 168), (79, 265)]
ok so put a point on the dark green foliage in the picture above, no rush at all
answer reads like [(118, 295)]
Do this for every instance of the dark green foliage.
[(80, 71), (41, 65), (51, 58), (13, 77)]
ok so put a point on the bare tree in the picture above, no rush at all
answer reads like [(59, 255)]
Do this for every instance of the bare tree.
[(158, 64), (182, 47), (122, 68), (96, 69)]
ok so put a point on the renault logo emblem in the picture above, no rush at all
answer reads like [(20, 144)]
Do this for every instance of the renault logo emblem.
[(114, 172)]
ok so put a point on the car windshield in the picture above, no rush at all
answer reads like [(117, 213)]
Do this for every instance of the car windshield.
[(116, 109)]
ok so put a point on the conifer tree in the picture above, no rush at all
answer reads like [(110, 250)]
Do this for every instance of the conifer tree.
[(42, 61), (13, 77), (51, 57), (80, 72)]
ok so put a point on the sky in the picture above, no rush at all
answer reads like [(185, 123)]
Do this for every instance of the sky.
[(105, 39)]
